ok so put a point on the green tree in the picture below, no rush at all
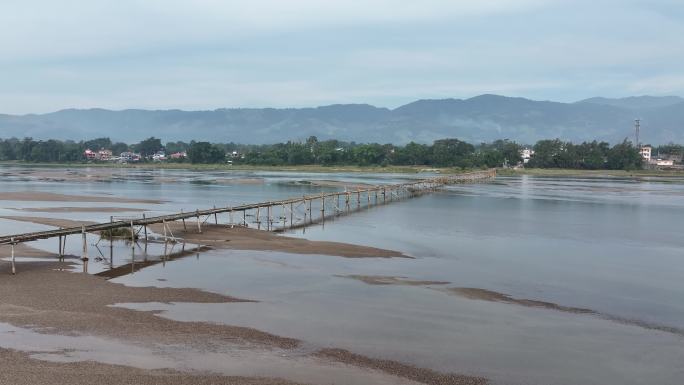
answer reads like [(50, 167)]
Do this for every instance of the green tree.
[(205, 152), (148, 146), (452, 152), (624, 156)]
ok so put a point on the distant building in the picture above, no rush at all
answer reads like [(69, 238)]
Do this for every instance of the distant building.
[(130, 157), (663, 162), (159, 156), (526, 154), (104, 154), (645, 153), (179, 155), (90, 154)]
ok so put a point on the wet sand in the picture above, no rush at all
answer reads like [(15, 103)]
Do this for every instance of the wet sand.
[(493, 296), (241, 238), (247, 181), (20, 369), (45, 299), (334, 183), (391, 280), (36, 196), (55, 222), (80, 209), (406, 371)]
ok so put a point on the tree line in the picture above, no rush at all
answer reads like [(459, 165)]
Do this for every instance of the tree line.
[(441, 153)]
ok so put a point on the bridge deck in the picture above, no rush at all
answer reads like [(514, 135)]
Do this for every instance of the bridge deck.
[(404, 189)]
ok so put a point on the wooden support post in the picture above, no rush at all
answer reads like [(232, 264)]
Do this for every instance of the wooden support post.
[(199, 224), (166, 251), (310, 211), (244, 218), (230, 217), (323, 208), (269, 224), (84, 256), (145, 227), (384, 195), (164, 224), (291, 214), (183, 219), (258, 217), (111, 252), (60, 249), (284, 217), (358, 199), (215, 216), (14, 267), (132, 235)]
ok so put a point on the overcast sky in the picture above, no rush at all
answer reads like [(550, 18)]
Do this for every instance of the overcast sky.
[(207, 54)]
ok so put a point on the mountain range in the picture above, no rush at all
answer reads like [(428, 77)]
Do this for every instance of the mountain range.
[(479, 119)]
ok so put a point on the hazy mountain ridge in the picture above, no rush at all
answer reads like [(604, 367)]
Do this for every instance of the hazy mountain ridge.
[(637, 102), (482, 118)]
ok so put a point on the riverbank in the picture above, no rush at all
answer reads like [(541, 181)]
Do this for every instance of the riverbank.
[(564, 172), (86, 338), (240, 167)]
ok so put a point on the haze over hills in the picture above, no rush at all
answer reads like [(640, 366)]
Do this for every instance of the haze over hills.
[(478, 119)]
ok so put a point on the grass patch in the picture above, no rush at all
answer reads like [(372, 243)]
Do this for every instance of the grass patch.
[(118, 233)]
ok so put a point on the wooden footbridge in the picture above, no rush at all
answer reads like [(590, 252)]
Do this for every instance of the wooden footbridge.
[(272, 216)]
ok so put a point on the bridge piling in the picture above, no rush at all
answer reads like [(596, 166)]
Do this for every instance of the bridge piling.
[(395, 191), (14, 267)]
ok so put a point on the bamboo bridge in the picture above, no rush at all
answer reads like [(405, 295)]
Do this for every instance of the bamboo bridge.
[(271, 216)]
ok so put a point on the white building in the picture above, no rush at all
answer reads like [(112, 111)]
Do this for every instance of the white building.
[(664, 162), (645, 153), (526, 154)]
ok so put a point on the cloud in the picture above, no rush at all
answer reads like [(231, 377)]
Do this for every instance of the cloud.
[(48, 28), (207, 54)]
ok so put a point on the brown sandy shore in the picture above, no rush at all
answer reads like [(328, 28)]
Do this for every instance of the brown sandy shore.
[(80, 209), (50, 301), (55, 222), (493, 296), (241, 238), (36, 196)]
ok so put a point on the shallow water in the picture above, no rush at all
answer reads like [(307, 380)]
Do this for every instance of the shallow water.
[(610, 245), (228, 360)]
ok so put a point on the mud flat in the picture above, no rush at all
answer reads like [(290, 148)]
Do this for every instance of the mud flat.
[(391, 280), (242, 238), (60, 304), (333, 183), (80, 209), (55, 222), (36, 196), (493, 296)]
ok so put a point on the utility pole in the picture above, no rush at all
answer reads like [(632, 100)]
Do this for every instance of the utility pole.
[(637, 126)]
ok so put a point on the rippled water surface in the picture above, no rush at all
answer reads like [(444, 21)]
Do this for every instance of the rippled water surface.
[(611, 246)]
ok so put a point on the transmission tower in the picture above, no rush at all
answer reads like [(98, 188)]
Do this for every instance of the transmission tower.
[(637, 126)]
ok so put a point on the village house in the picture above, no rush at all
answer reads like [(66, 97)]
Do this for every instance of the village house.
[(159, 156), (179, 155), (104, 154), (129, 157), (526, 154)]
